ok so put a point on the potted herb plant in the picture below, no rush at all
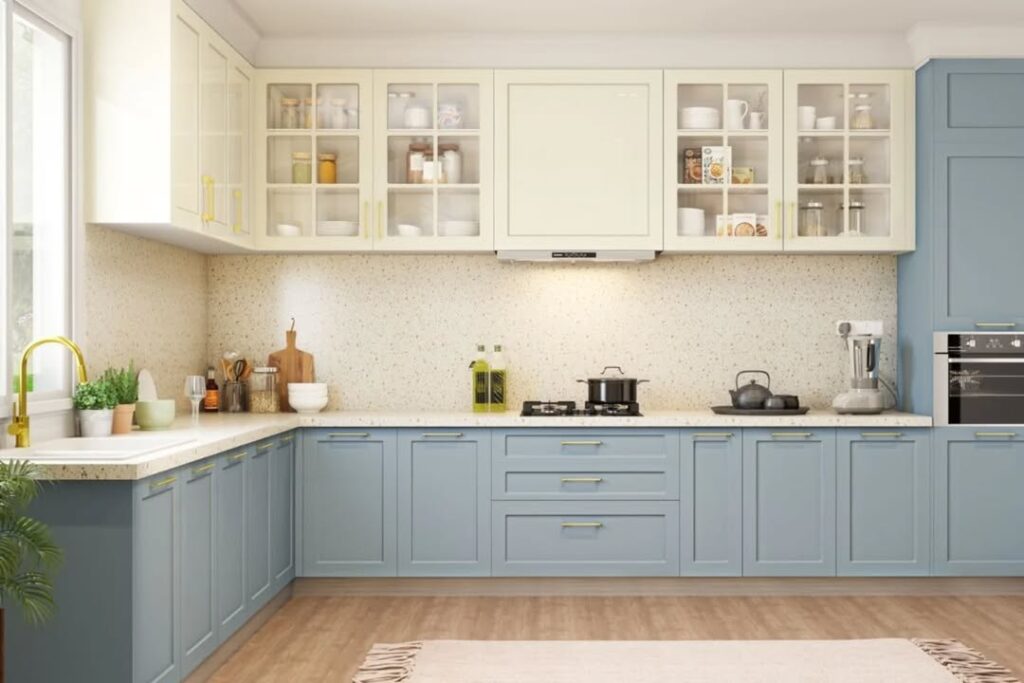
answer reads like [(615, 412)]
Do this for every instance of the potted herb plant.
[(95, 402), (28, 556), (124, 382)]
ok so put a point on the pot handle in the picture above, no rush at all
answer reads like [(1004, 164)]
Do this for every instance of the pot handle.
[(643, 381), (613, 367), (753, 372)]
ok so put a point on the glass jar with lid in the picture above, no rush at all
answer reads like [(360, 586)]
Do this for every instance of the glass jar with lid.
[(450, 159), (263, 397), (308, 112), (819, 171), (855, 226), (302, 168), (327, 169), (812, 219), (862, 118), (416, 113), (415, 160), (856, 174), (289, 112)]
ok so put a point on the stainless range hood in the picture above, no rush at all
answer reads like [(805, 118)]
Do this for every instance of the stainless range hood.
[(595, 256)]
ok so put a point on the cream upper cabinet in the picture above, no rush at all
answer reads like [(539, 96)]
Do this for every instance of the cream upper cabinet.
[(159, 151), (723, 161), (314, 160), (578, 160), (849, 155)]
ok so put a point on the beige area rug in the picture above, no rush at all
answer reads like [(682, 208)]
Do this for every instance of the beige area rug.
[(695, 661)]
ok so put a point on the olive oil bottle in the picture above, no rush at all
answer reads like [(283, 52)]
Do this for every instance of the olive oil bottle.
[(481, 371), (499, 380)]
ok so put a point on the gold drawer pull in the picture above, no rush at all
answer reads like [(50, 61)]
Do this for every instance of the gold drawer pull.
[(582, 525), (349, 435), (995, 435), (882, 435), (237, 457), (203, 469), (264, 448), (792, 435), (163, 483), (713, 435), (287, 439), (582, 480), (582, 443), (442, 435)]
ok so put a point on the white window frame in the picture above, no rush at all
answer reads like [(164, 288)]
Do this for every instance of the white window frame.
[(54, 19)]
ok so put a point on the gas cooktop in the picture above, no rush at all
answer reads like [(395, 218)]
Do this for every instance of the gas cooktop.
[(569, 409)]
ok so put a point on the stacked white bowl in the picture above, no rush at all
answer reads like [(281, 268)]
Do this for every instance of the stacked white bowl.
[(307, 399)]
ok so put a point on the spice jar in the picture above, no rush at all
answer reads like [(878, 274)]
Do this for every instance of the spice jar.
[(812, 219), (857, 175), (308, 113), (856, 224), (431, 169), (819, 169), (302, 168), (327, 169), (263, 396), (414, 161), (289, 112), (862, 118), (451, 163)]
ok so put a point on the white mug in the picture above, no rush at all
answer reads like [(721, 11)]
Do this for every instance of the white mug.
[(757, 120), (826, 123), (691, 222), (735, 113), (806, 117)]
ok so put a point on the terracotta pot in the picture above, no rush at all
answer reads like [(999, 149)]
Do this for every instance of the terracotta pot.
[(123, 418)]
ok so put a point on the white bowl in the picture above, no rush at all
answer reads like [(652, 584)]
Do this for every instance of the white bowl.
[(287, 230), (458, 228), (305, 405), (337, 228), (306, 386), (700, 117), (407, 230)]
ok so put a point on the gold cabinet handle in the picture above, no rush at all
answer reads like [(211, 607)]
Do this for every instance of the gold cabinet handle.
[(349, 435), (237, 457), (364, 226), (582, 480), (995, 435), (287, 439), (713, 435), (162, 483), (264, 448), (778, 220), (207, 199), (996, 325), (237, 227), (881, 435), (582, 443), (380, 220), (792, 435), (582, 525), (203, 469), (442, 435)]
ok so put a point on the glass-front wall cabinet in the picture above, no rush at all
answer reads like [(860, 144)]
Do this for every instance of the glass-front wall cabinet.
[(724, 132)]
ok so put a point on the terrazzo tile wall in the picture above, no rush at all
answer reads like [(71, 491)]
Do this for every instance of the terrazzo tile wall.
[(398, 332), (145, 301)]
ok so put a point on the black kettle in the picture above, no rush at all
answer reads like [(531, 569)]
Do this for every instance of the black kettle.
[(750, 396)]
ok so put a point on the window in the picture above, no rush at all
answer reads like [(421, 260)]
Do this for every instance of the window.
[(36, 199)]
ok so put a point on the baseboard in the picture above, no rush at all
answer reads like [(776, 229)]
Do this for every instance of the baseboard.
[(205, 671), (499, 587)]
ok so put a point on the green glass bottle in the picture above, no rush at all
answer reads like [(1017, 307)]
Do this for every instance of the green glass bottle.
[(499, 380), (481, 370)]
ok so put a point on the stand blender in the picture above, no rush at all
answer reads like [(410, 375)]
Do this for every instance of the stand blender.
[(863, 343)]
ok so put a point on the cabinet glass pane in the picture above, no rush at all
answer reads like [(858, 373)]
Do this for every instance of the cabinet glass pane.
[(747, 202), (690, 151), (820, 107), (338, 212), (289, 210), (746, 106), (408, 159), (458, 106), (869, 107), (698, 211), (873, 208), (410, 106), (345, 150), (337, 106), (281, 160), (819, 212), (749, 160), (700, 106), (820, 160), (458, 212), (410, 212), (289, 106), (869, 160), (459, 158)]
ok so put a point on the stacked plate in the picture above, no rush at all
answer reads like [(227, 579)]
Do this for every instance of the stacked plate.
[(307, 399)]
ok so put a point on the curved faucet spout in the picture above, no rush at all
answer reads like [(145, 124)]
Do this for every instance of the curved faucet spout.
[(19, 427)]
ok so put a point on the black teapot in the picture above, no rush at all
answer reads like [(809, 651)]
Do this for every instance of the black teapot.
[(750, 396)]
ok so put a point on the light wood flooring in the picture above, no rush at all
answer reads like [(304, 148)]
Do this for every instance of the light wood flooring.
[(324, 631)]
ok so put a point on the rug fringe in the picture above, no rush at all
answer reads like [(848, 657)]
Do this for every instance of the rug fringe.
[(966, 664), (388, 663)]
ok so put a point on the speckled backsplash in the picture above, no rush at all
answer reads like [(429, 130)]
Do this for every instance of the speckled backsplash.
[(398, 332)]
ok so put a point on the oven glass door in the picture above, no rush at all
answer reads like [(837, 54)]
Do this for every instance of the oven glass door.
[(986, 391)]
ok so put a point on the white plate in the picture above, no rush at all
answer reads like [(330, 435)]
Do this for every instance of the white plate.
[(407, 230), (458, 228), (337, 228)]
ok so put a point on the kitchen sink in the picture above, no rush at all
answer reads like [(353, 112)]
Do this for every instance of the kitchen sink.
[(108, 447)]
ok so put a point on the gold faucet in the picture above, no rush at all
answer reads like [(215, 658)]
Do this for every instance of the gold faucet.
[(19, 420)]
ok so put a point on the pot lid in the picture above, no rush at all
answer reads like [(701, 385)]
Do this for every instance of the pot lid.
[(611, 372)]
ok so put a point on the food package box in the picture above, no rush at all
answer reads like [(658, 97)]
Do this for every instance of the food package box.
[(723, 225), (716, 165), (744, 224), (691, 171), (762, 225), (742, 175)]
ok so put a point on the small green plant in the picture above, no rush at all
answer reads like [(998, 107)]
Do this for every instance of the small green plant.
[(124, 382), (98, 395), (28, 555)]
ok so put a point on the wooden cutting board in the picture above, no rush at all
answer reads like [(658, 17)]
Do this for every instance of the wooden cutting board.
[(293, 365)]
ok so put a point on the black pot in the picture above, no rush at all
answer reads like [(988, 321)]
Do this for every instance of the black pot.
[(612, 389)]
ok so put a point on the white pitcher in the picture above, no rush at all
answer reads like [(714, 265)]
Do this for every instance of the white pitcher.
[(736, 114)]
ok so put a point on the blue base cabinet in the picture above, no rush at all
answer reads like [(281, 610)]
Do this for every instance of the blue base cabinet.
[(883, 518), (232, 602), (789, 503), (349, 503), (711, 503), (979, 502), (198, 570), (282, 513), (444, 503)]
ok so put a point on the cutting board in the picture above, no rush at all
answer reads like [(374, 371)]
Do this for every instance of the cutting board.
[(293, 365)]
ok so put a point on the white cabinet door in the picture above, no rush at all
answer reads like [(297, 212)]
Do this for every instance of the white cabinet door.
[(740, 112), (186, 189), (849, 152), (213, 135), (239, 142), (578, 162)]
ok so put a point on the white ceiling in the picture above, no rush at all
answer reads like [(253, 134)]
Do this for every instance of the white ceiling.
[(335, 18)]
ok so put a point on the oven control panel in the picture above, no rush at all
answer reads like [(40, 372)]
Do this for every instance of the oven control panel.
[(984, 344)]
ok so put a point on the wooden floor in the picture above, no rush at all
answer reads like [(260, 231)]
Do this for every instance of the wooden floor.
[(324, 637)]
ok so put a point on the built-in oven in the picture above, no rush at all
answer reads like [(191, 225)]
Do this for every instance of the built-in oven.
[(979, 378)]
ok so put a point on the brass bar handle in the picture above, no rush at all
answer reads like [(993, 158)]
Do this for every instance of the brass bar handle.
[(380, 220), (996, 325), (582, 525), (582, 443), (443, 435), (881, 435), (713, 435), (792, 435), (237, 227), (349, 435), (264, 448), (162, 484), (207, 214), (237, 457), (995, 435), (203, 469), (287, 439), (582, 480), (364, 226)]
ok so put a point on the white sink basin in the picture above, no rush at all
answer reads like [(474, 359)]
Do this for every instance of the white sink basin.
[(108, 447)]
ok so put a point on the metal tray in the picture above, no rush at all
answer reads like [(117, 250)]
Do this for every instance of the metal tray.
[(729, 410)]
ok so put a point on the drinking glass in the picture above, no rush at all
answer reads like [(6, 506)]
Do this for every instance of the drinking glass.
[(195, 390)]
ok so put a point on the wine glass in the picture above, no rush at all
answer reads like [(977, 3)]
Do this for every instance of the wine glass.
[(195, 390)]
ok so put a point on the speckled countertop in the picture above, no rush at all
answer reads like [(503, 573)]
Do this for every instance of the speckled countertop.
[(219, 433)]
